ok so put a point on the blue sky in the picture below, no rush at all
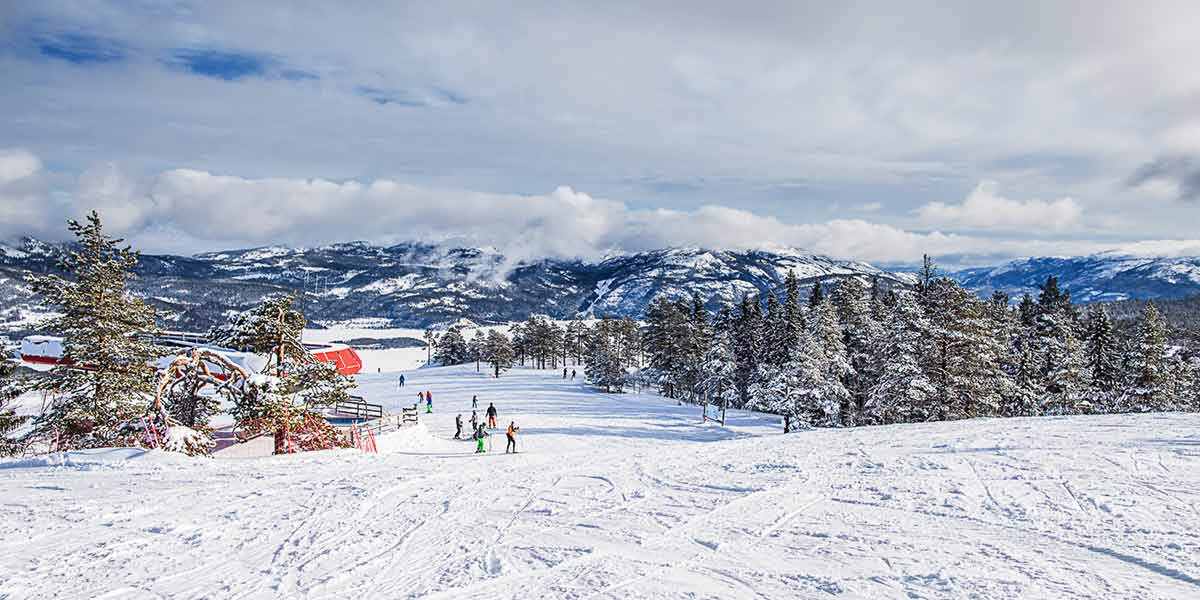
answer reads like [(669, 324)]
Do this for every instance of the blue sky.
[(970, 132)]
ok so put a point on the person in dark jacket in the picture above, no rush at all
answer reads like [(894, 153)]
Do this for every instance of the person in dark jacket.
[(474, 421), (491, 415), (458, 427)]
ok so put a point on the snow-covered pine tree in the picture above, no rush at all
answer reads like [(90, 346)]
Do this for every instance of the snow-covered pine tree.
[(780, 390), (962, 355), (1149, 389), (498, 352), (901, 392), (776, 350), (667, 339), (1025, 400), (10, 388), (106, 377), (1103, 357), (719, 382), (793, 312), (475, 347), (816, 296), (747, 346), (1065, 382), (452, 348), (826, 357), (285, 396), (604, 368), (852, 301)]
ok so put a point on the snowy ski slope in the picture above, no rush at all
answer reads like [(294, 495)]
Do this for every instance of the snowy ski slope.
[(624, 497)]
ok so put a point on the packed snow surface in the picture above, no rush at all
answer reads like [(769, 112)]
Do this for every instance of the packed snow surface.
[(624, 496)]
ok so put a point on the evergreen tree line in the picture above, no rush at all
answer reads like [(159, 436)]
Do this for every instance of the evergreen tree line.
[(863, 356)]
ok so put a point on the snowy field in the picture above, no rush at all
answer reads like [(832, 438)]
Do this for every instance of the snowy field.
[(624, 497)]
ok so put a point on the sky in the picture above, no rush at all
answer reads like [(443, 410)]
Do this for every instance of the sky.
[(974, 132)]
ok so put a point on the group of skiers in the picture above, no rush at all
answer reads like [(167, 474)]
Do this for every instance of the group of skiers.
[(479, 430), (427, 398)]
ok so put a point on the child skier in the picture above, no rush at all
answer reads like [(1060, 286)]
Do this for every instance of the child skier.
[(458, 427), (479, 435), (491, 415), (512, 437), (474, 421), (428, 402)]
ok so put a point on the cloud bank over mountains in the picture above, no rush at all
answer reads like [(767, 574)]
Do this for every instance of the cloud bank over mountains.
[(185, 210)]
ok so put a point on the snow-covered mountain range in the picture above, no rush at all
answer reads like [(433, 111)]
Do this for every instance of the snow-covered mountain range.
[(416, 284), (419, 284), (1099, 277)]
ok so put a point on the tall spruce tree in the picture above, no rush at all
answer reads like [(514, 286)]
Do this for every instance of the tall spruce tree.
[(747, 346), (901, 392), (1149, 390), (861, 332), (1103, 354), (826, 355), (106, 377), (452, 348)]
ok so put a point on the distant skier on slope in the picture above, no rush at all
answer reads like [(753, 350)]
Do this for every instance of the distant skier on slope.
[(401, 380), (564, 372), (512, 437), (491, 415), (479, 435), (474, 402), (572, 373), (474, 421), (428, 402), (458, 427), (420, 398)]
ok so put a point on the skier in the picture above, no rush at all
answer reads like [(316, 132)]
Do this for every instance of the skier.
[(428, 402), (474, 402), (474, 421), (479, 435), (564, 372), (512, 437), (420, 399), (458, 427), (491, 415), (572, 373), (402, 380)]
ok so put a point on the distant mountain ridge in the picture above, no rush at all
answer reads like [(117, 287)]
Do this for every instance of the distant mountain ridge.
[(1094, 278), (419, 284)]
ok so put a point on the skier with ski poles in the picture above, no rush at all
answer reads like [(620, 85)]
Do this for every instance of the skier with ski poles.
[(474, 402), (512, 437), (402, 380), (458, 427), (474, 421), (491, 415)]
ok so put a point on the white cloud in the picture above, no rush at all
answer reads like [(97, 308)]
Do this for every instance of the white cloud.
[(985, 209), (17, 163)]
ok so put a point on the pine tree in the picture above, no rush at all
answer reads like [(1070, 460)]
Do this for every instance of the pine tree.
[(106, 375), (816, 297), (1065, 382), (475, 349), (962, 357), (604, 368), (1150, 390), (10, 388), (825, 367), (498, 352), (452, 348), (776, 349), (793, 312), (719, 382), (272, 329), (901, 392), (747, 346), (852, 302), (1103, 354)]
